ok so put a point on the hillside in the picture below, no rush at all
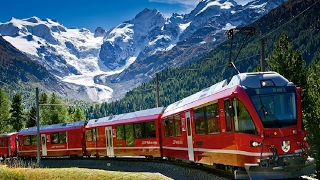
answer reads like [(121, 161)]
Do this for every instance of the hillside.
[(20, 74), (299, 18)]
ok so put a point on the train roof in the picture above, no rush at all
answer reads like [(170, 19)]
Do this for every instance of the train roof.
[(253, 80), (136, 116), (7, 134), (53, 127), (245, 80)]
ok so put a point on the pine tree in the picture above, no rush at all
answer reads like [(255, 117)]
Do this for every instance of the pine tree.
[(44, 110), (31, 120), (288, 62), (16, 110), (78, 115), (4, 112), (312, 110), (58, 113)]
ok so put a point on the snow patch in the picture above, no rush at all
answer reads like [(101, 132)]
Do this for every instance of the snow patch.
[(225, 5), (183, 27), (228, 26)]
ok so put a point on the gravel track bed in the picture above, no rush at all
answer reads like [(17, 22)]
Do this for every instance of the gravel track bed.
[(171, 171)]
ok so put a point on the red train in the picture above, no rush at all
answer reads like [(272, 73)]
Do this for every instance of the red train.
[(8, 145), (65, 139), (251, 126)]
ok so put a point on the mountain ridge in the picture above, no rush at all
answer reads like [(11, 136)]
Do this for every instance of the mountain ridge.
[(110, 63)]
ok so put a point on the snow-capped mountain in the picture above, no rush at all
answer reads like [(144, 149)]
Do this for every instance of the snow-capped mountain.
[(131, 52), (69, 54), (183, 38)]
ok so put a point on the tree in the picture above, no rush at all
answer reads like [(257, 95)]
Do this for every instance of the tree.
[(44, 110), (58, 113), (312, 109), (31, 120), (288, 62), (78, 115), (4, 112), (16, 110)]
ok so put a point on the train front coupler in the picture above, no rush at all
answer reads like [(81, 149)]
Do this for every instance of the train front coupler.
[(281, 167)]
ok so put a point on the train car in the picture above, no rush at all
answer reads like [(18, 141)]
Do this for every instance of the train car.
[(130, 134), (8, 145), (251, 127), (64, 139)]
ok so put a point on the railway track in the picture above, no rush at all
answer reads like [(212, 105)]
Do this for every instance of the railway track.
[(168, 168)]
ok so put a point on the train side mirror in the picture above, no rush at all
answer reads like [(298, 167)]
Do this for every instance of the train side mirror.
[(230, 111)]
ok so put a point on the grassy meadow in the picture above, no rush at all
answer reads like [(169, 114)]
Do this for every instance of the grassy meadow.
[(29, 173)]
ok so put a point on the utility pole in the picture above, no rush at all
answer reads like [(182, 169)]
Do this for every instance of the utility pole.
[(38, 126), (157, 89), (263, 62)]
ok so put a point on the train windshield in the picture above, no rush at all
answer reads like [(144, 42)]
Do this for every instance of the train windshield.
[(276, 106)]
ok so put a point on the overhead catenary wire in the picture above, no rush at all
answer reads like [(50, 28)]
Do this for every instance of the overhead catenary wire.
[(290, 20)]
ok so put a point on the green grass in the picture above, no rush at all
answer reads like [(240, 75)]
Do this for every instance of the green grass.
[(9, 173)]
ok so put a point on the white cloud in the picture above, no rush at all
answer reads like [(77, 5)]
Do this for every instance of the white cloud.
[(184, 2)]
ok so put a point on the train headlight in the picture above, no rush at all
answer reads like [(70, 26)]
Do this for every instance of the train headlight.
[(255, 144), (294, 132)]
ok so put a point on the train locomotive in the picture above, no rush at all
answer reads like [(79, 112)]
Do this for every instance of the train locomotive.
[(251, 126)]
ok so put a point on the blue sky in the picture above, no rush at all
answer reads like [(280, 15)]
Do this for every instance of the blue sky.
[(91, 13)]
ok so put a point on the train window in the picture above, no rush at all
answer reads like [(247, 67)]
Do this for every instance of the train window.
[(177, 125), (199, 116), (26, 140), (166, 127), (30, 140), (150, 129), (242, 119), (2, 143), (88, 135), (212, 115), (129, 134), (58, 138), (138, 130), (62, 137), (171, 126), (120, 132), (228, 117), (91, 134), (33, 139), (54, 138)]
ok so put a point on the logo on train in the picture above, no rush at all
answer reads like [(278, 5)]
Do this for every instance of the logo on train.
[(58, 146), (177, 142), (149, 142), (285, 145)]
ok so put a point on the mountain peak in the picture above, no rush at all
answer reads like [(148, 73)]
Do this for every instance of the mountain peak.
[(100, 32), (214, 6), (148, 14)]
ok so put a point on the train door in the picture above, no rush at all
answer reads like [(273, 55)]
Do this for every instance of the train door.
[(44, 144), (189, 136), (109, 136), (9, 146)]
